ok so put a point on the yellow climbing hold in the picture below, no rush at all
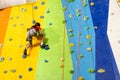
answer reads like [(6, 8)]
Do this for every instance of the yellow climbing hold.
[(62, 59), (101, 70), (89, 49), (92, 4), (88, 36), (80, 78), (86, 18), (71, 44)]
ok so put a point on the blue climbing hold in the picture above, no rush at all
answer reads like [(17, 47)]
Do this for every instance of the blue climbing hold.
[(33, 21), (46, 47), (24, 56), (41, 16), (35, 7), (42, 3)]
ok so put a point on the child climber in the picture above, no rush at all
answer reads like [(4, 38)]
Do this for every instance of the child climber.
[(35, 31)]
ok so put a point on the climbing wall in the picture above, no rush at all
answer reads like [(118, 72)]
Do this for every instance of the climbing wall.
[(77, 33)]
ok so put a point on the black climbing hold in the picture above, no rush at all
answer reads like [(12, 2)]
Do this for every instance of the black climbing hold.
[(20, 76), (46, 61), (30, 69)]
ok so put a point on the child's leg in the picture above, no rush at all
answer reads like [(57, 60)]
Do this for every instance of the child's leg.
[(28, 45)]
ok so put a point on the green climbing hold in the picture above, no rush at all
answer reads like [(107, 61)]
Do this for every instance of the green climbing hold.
[(87, 28), (71, 51), (13, 70), (10, 39), (78, 14), (81, 56), (80, 44), (89, 42), (84, 5), (70, 0), (77, 10), (1, 58), (71, 35), (91, 70), (5, 72), (64, 8), (71, 71), (64, 21)]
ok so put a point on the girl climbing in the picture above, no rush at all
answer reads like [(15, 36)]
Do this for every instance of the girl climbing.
[(35, 31)]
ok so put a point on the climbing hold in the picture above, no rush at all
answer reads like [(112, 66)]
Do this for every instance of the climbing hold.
[(5, 72), (88, 36), (70, 0), (80, 78), (35, 7), (48, 11), (64, 21), (70, 15), (23, 9), (46, 61), (21, 24), (70, 30), (64, 8), (13, 70), (10, 39), (33, 21), (84, 5), (101, 70), (24, 56), (42, 3), (20, 76), (41, 16), (71, 71), (77, 10), (30, 69), (89, 49), (1, 45), (9, 58), (71, 35), (71, 44), (71, 51), (62, 65), (62, 59), (78, 14), (92, 3), (1, 58), (86, 18), (89, 42), (80, 44), (14, 25), (47, 47), (81, 56), (87, 28), (79, 34), (91, 70), (50, 23), (17, 17), (95, 27), (11, 18)]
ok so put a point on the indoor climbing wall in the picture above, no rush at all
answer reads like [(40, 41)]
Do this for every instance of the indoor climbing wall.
[(77, 33)]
